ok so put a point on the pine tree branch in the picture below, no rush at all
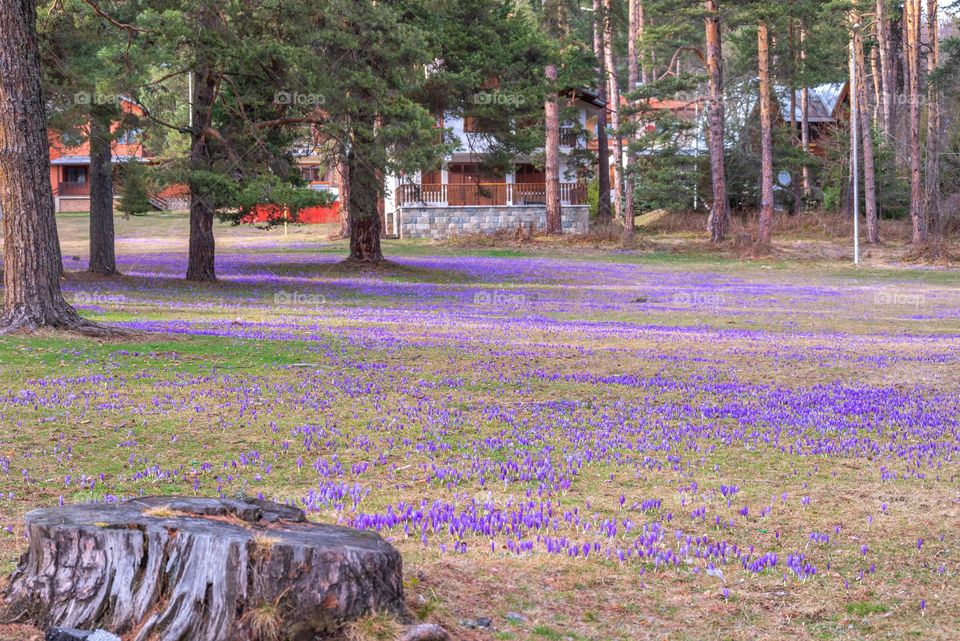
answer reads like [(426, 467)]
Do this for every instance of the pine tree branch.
[(116, 23)]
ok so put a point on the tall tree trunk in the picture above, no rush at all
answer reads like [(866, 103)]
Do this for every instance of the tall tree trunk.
[(866, 138), (796, 186), (932, 196), (720, 207), (912, 29), (31, 265), (634, 7), (765, 223), (343, 194), (202, 254), (613, 91), (633, 79), (877, 87), (641, 37), (552, 154), (805, 111), (888, 71), (604, 215), (102, 255), (365, 190)]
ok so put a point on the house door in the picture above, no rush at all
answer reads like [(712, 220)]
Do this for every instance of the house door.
[(530, 188)]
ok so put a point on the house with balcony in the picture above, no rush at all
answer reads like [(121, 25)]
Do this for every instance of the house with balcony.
[(462, 197), (70, 161)]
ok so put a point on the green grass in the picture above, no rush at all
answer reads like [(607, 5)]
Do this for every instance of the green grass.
[(866, 608), (547, 632), (172, 404)]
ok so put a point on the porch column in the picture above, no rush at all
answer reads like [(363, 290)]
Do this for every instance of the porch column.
[(444, 182), (511, 179)]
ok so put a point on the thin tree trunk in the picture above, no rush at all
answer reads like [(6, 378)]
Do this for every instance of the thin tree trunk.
[(720, 208), (343, 194), (796, 186), (641, 37), (552, 155), (932, 196), (912, 28), (765, 223), (888, 73), (202, 254), (365, 189), (633, 78), (102, 255), (653, 72), (866, 139), (633, 33), (877, 87), (603, 149), (853, 184), (613, 91), (31, 267), (805, 111)]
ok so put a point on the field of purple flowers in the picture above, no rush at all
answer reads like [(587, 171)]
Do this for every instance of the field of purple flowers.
[(577, 446)]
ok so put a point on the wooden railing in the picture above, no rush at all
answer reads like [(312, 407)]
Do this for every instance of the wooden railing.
[(568, 137), (488, 194)]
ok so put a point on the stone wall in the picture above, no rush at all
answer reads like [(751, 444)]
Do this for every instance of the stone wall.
[(82, 204), (443, 222)]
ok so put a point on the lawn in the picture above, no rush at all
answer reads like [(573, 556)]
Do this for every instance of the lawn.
[(578, 444)]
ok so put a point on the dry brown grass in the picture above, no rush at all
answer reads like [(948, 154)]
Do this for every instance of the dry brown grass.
[(814, 225), (266, 622), (261, 545), (373, 627), (935, 252)]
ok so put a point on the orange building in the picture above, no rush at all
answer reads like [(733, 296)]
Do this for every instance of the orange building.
[(70, 163)]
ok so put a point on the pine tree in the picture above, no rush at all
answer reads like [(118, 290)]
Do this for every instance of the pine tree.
[(86, 74), (719, 217), (31, 259)]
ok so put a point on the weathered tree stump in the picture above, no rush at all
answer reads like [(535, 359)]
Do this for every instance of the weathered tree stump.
[(195, 569)]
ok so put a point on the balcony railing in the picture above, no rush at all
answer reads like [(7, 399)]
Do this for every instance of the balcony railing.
[(73, 189), (488, 194), (568, 137)]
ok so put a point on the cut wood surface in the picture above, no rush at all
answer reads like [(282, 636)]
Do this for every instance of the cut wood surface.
[(197, 569)]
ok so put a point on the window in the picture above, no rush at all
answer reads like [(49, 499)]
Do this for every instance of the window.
[(129, 137), (75, 175)]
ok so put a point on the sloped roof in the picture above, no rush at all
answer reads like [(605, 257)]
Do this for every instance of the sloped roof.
[(85, 160), (822, 103)]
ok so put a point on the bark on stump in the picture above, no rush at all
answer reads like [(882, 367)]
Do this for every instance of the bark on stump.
[(179, 569)]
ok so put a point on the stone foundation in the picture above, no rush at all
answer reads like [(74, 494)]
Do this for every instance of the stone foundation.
[(82, 204), (66, 204), (437, 223)]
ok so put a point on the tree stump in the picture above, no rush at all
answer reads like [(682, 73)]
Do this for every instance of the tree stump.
[(197, 569)]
